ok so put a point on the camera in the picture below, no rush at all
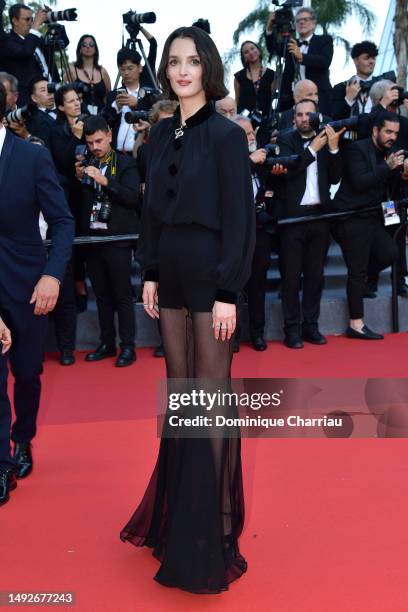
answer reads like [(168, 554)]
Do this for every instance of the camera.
[(402, 95), (79, 87), (67, 15), (89, 160), (316, 123), (290, 162), (131, 18), (135, 116), (105, 208), (255, 117), (366, 85), (21, 114), (203, 24), (284, 26)]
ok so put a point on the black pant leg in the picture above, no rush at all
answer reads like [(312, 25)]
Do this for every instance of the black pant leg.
[(256, 286), (315, 251), (100, 281), (5, 416), (355, 236), (118, 261), (26, 360), (65, 312), (291, 249)]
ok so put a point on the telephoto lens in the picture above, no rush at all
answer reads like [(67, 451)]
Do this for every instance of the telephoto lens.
[(290, 162), (135, 116), (67, 15), (132, 18), (21, 114)]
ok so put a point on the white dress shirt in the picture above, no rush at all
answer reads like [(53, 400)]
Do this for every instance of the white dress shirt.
[(312, 193), (126, 134), (304, 49), (2, 137)]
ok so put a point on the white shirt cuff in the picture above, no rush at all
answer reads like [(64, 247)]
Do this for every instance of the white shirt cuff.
[(115, 106), (334, 152), (36, 33), (348, 101), (312, 152)]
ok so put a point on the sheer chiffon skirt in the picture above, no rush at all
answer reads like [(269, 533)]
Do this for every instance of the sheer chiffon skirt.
[(192, 512)]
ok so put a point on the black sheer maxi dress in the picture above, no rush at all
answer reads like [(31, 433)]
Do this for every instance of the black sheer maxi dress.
[(197, 241)]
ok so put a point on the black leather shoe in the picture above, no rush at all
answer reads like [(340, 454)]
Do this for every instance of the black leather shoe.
[(293, 342), (259, 343), (158, 351), (370, 294), (8, 482), (314, 337), (402, 290), (101, 352), (24, 458), (67, 357), (126, 357), (365, 334)]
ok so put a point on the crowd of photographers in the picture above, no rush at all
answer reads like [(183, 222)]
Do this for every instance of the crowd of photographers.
[(354, 134)]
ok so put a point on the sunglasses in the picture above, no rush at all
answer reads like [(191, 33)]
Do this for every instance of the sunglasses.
[(88, 45)]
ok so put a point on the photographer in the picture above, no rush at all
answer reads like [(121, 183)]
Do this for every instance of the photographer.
[(227, 107), (372, 174), (307, 58), (23, 51), (263, 186), (126, 98), (349, 98), (303, 90), (41, 123), (385, 96), (303, 246), (109, 200), (10, 84)]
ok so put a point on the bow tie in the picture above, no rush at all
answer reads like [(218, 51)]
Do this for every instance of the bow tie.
[(50, 110), (303, 42)]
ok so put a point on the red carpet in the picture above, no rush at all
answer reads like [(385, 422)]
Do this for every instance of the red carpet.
[(326, 526)]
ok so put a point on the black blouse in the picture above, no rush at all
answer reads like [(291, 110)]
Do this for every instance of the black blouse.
[(251, 99), (204, 178)]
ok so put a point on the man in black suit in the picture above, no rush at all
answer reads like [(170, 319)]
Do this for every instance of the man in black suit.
[(126, 98), (372, 174), (42, 122), (303, 90), (109, 206), (303, 247), (307, 58), (23, 51), (348, 99), (29, 282)]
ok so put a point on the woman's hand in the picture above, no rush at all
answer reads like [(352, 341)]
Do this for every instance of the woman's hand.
[(150, 301), (224, 320), (5, 337)]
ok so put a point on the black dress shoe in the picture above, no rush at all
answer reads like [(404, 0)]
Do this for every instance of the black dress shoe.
[(8, 482), (365, 334), (158, 351), (126, 357), (314, 337), (293, 342), (371, 295), (24, 458), (402, 290), (101, 352), (67, 357), (259, 343)]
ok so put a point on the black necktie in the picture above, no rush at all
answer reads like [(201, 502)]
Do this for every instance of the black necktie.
[(303, 42)]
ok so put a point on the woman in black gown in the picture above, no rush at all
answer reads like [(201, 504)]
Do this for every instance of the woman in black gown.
[(254, 83), (196, 249)]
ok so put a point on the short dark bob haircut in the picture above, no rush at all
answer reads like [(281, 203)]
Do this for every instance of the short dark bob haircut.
[(249, 42), (213, 70), (79, 62)]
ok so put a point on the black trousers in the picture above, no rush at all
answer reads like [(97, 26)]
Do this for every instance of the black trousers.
[(109, 270), (65, 311), (373, 273), (26, 361), (302, 252), (256, 286), (363, 240)]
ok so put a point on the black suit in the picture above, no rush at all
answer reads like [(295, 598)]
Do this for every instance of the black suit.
[(317, 62), (40, 125), (27, 187), (367, 181), (19, 59), (109, 265), (303, 246)]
